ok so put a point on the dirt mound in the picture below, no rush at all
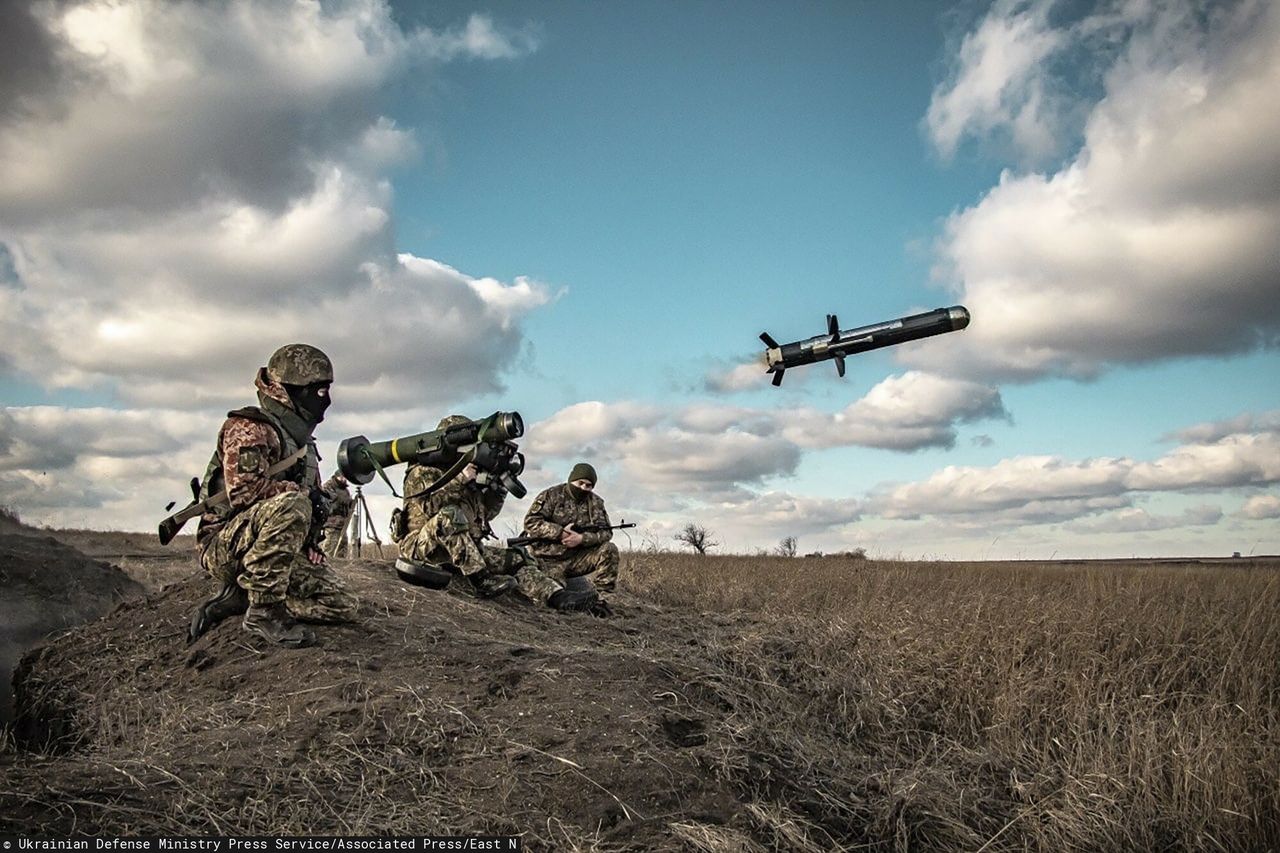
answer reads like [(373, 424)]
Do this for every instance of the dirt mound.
[(434, 712), (45, 587)]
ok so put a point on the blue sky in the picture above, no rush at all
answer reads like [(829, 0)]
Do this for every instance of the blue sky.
[(588, 212)]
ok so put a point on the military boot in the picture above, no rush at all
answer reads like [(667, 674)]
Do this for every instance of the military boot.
[(491, 585), (572, 599), (273, 622), (231, 600)]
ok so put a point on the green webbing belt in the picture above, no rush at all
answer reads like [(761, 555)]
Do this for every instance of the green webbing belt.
[(445, 478)]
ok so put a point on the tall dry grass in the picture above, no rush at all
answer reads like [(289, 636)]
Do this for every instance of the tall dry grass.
[(994, 707)]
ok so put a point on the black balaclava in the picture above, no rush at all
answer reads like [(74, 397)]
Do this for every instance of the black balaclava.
[(311, 400)]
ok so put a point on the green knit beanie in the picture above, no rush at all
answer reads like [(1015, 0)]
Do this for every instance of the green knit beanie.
[(583, 471)]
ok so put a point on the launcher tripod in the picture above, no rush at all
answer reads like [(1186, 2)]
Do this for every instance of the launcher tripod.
[(361, 524)]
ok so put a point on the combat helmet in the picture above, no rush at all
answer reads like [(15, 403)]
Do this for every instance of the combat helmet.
[(299, 364)]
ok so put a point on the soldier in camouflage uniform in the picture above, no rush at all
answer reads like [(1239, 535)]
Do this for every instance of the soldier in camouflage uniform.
[(261, 544), (561, 518), (448, 528), (341, 503)]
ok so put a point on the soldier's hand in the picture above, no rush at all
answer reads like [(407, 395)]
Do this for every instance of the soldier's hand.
[(468, 473), (316, 557), (570, 538)]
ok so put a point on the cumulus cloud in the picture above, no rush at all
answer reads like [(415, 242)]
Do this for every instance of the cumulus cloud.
[(1136, 520), (99, 467), (1216, 430), (1261, 507), (912, 411), (1237, 460), (1160, 237), (192, 185), (774, 514), (719, 449), (998, 82)]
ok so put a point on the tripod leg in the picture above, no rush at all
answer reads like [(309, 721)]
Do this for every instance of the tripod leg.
[(373, 531)]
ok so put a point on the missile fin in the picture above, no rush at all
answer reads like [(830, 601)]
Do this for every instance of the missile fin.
[(777, 376), (839, 365), (768, 340), (833, 327)]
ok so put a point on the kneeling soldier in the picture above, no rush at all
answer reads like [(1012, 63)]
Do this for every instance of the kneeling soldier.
[(261, 545)]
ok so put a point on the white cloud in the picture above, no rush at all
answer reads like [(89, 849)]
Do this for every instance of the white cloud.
[(1235, 460), (1261, 507), (1215, 430), (911, 411), (1009, 483), (197, 184), (588, 428), (999, 82), (1134, 519), (709, 448), (1159, 238)]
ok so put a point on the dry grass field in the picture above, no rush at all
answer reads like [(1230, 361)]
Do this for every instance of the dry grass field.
[(1106, 706), (733, 704)]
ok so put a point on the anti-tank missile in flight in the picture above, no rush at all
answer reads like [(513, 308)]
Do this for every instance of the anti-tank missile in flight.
[(837, 343)]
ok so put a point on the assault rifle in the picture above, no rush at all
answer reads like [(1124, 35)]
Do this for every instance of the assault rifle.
[(590, 528)]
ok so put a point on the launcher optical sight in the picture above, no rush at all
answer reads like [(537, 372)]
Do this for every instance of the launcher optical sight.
[(487, 443), (836, 344)]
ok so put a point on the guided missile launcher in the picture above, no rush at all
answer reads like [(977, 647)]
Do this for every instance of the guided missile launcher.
[(837, 343)]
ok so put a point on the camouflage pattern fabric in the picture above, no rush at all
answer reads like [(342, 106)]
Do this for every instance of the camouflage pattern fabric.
[(449, 526), (601, 562), (551, 512), (261, 549), (300, 364), (246, 449), (341, 503), (480, 506), (334, 542), (258, 540)]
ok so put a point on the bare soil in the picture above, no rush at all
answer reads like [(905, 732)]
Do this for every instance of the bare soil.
[(47, 587), (434, 712)]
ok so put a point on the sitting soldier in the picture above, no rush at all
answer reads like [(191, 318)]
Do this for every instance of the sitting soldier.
[(570, 529), (448, 528)]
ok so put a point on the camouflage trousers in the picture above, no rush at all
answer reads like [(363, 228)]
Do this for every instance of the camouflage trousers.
[(447, 540), (601, 562), (334, 543), (261, 549)]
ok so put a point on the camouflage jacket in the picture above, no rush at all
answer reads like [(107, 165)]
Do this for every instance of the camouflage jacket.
[(249, 442), (556, 508), (340, 503), (481, 506)]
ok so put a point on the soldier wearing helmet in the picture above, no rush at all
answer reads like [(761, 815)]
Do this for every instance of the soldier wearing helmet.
[(448, 528), (261, 545)]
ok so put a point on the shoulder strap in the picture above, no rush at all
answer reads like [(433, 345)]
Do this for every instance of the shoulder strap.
[(170, 526)]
